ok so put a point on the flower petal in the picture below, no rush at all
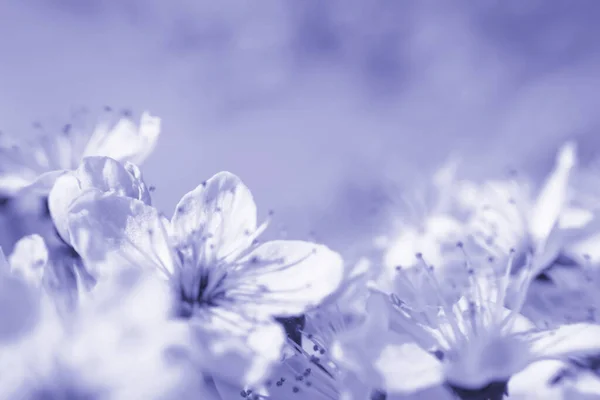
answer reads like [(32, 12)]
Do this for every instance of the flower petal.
[(407, 368), (565, 341), (29, 259), (111, 232), (235, 349), (101, 173), (18, 168), (221, 209), (125, 141), (284, 278), (552, 197)]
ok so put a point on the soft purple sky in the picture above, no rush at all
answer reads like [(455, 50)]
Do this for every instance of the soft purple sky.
[(310, 100)]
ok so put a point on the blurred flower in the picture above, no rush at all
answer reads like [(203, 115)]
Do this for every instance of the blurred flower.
[(228, 286), (432, 225), (36, 165), (114, 347), (508, 219), (474, 345)]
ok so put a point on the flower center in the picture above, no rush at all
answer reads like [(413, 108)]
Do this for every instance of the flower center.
[(206, 291), (492, 391)]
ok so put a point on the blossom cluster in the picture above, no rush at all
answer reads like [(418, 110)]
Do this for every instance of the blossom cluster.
[(487, 293)]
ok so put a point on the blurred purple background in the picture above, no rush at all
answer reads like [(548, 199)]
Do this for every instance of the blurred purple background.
[(320, 106)]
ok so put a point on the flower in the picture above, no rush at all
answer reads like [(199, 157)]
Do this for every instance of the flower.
[(432, 226), (509, 219), (116, 346), (63, 270), (474, 345), (229, 287), (315, 366), (36, 165), (102, 173)]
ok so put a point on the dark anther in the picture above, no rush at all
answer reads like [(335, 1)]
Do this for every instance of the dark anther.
[(293, 327), (493, 391)]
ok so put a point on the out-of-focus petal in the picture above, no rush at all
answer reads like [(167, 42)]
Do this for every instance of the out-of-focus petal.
[(552, 198), (355, 350), (125, 141), (407, 368), (585, 387), (235, 349), (29, 259), (289, 277), (565, 341)]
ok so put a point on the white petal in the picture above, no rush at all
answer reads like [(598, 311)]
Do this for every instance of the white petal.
[(29, 259), (552, 198), (282, 278), (235, 349), (565, 341), (407, 368), (355, 350), (65, 190), (223, 209), (17, 168), (101, 173), (42, 184), (572, 218), (586, 387), (111, 232), (125, 141)]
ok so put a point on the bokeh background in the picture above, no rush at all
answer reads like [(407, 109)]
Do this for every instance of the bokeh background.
[(324, 108)]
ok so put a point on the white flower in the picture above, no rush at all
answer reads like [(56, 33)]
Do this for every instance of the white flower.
[(37, 164), (319, 365), (229, 287), (117, 346), (509, 219), (478, 343), (101, 173), (431, 225)]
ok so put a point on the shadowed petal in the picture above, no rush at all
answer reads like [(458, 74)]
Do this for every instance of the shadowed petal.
[(110, 232)]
